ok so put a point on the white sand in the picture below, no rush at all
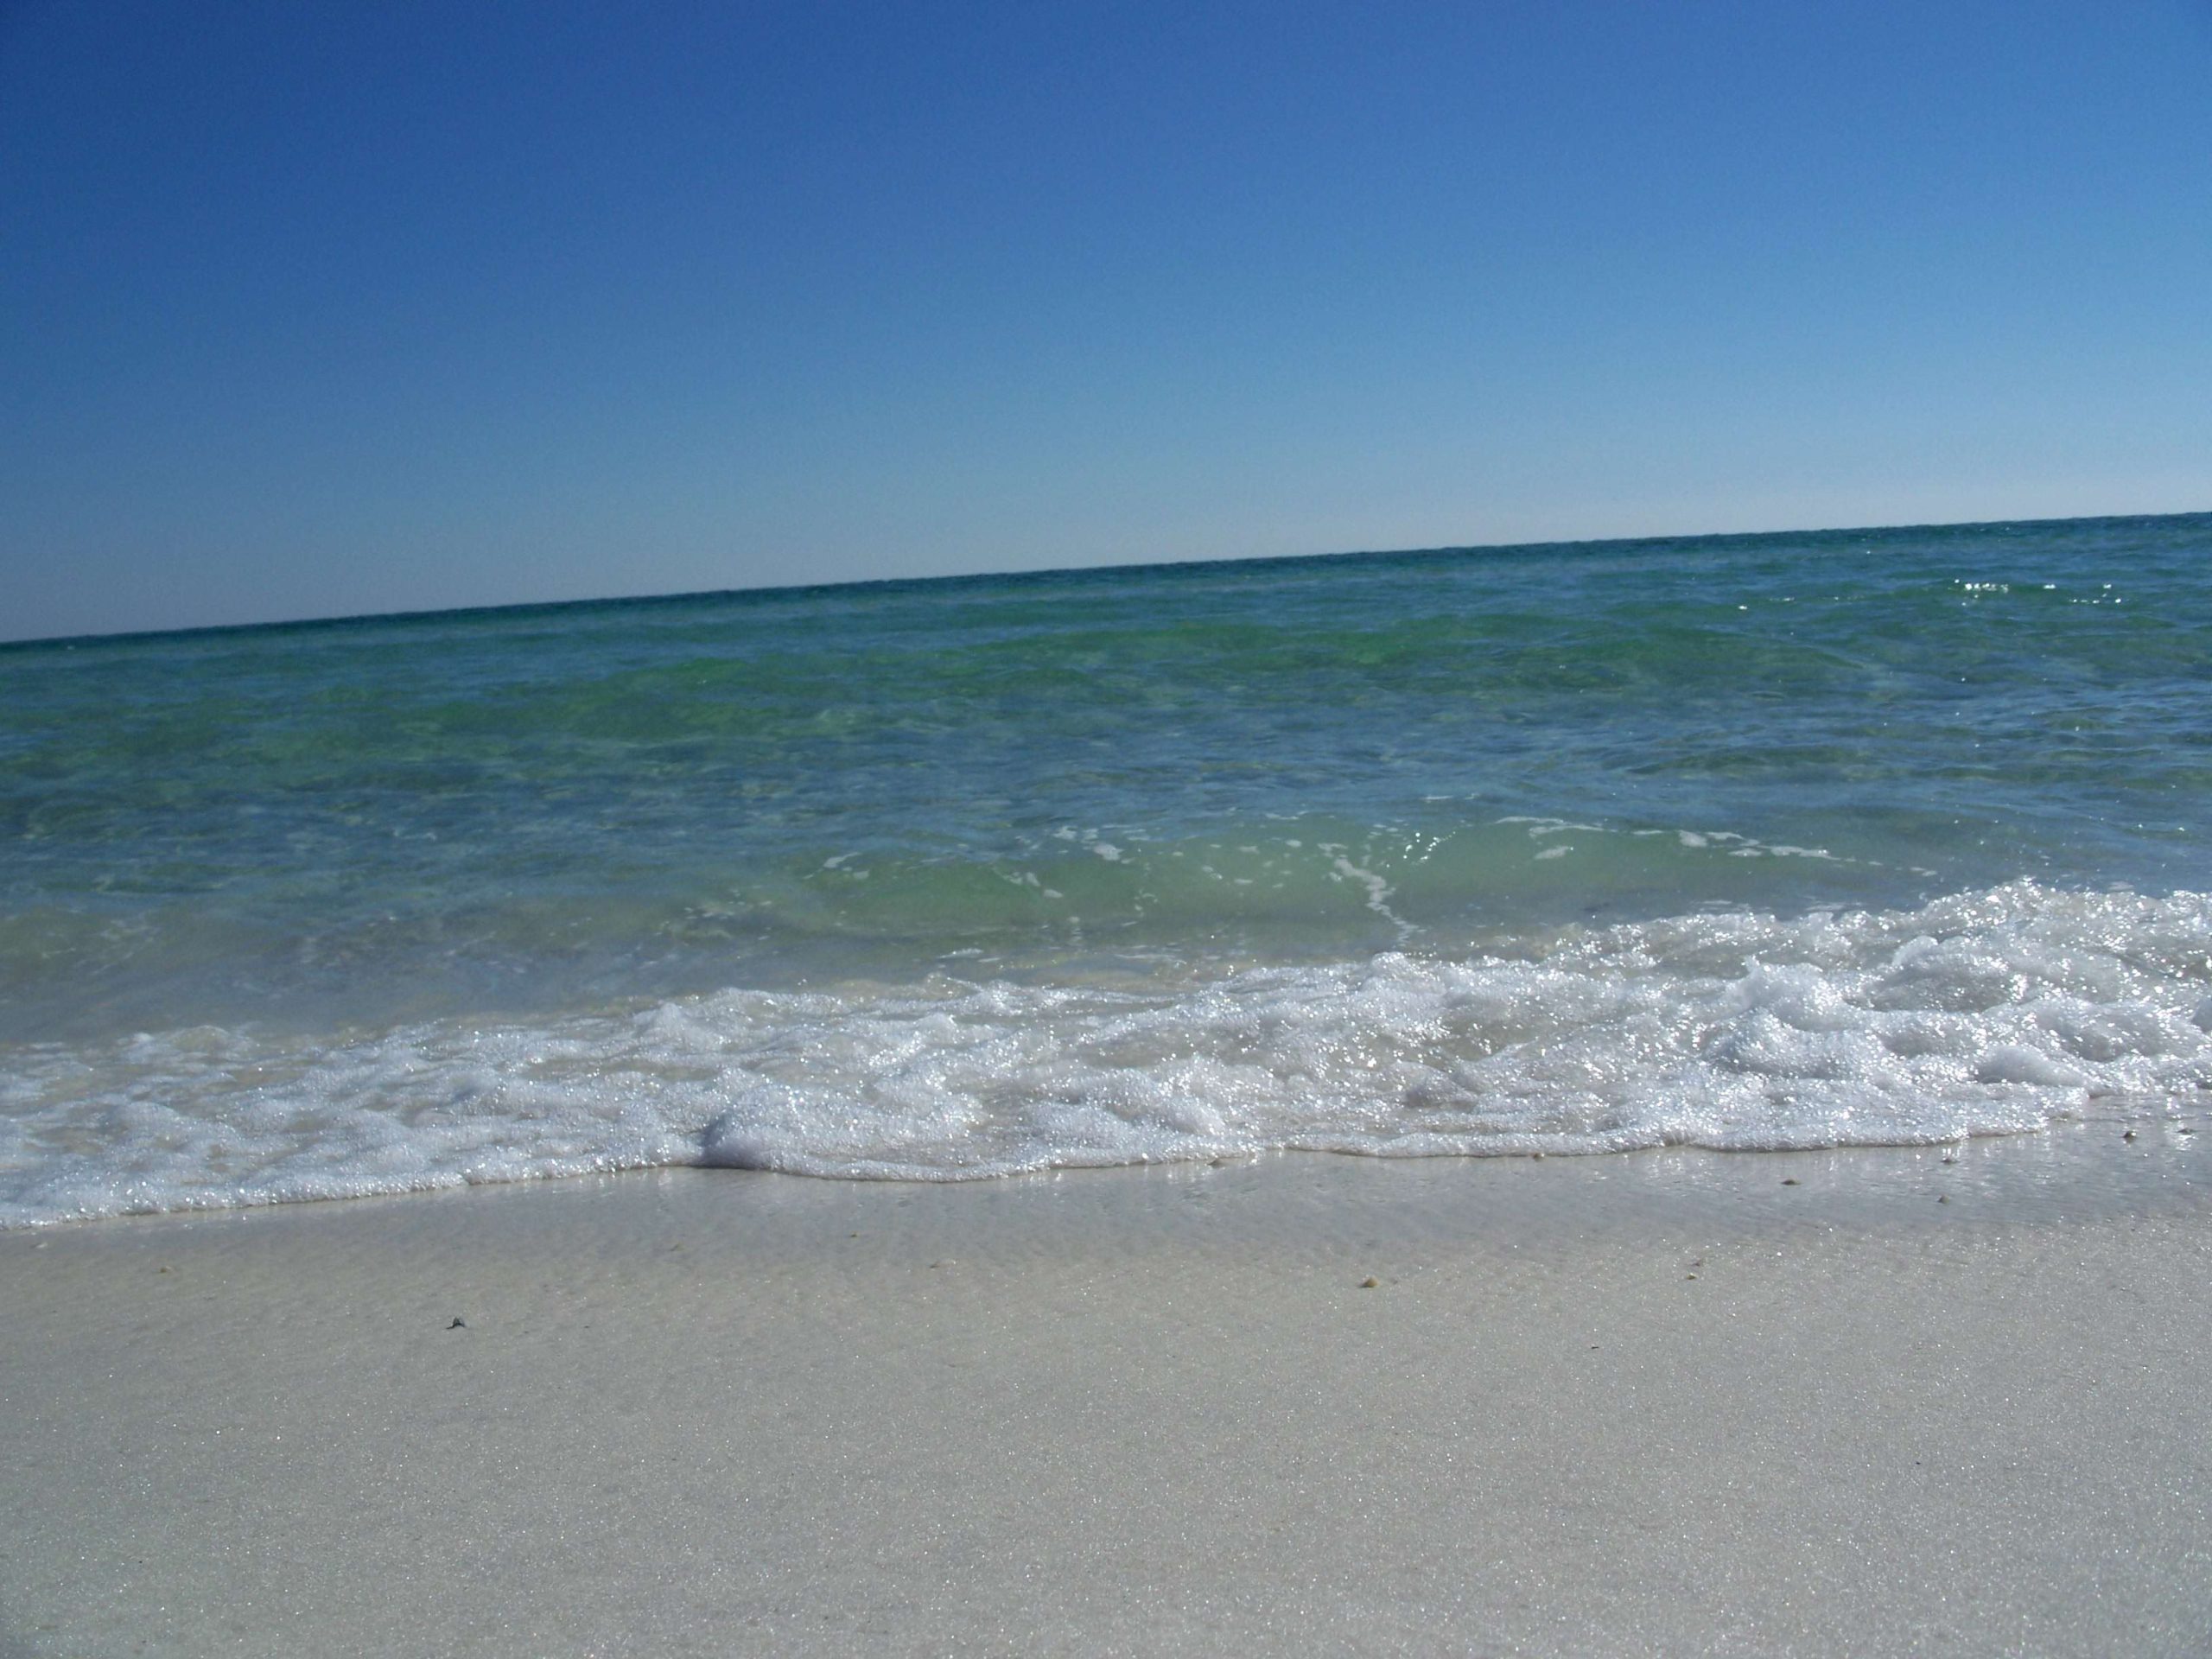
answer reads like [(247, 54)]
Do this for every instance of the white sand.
[(1138, 1411)]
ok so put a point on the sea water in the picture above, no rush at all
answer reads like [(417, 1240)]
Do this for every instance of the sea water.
[(1891, 836)]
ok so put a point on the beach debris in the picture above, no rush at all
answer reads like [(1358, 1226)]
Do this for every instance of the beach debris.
[(459, 1323), (1370, 1283)]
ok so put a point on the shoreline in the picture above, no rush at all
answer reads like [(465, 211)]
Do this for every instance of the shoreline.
[(1628, 1402)]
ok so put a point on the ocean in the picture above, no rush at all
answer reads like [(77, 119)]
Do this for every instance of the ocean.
[(1862, 837)]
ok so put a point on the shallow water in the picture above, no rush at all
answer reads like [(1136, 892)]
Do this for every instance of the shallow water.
[(1821, 839)]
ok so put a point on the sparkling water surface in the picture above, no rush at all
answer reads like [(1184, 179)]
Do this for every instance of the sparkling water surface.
[(1749, 841)]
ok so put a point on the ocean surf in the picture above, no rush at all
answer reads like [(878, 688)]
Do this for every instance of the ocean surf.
[(1877, 837)]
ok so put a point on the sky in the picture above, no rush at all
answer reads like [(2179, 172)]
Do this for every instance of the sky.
[(313, 309)]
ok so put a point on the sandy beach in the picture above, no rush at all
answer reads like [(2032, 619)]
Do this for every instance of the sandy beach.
[(1105, 830), (1673, 1402)]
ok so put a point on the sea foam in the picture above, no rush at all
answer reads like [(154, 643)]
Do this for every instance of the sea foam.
[(1994, 1011)]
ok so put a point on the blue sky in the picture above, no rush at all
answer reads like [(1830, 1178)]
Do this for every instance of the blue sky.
[(317, 309)]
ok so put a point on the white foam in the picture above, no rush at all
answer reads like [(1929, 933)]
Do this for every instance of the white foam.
[(1981, 1013)]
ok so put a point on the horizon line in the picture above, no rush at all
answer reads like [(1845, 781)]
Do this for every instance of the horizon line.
[(1046, 573)]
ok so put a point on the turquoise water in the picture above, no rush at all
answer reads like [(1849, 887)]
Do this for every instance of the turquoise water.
[(949, 878)]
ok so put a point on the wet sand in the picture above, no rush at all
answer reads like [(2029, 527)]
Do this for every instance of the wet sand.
[(1673, 1402)]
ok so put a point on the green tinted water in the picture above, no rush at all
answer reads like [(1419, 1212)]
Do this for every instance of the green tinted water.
[(1293, 761)]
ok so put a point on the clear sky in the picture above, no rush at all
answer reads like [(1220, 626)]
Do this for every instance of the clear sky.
[(320, 308)]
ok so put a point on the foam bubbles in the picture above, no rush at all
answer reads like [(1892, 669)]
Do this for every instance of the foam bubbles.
[(1986, 1012)]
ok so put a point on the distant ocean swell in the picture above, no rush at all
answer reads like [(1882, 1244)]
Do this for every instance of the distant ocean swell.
[(1990, 1012)]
